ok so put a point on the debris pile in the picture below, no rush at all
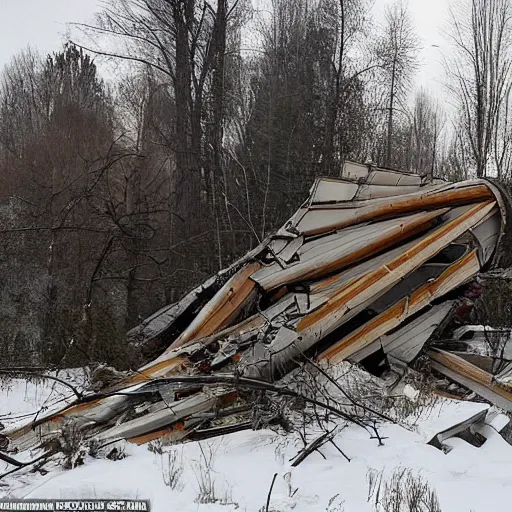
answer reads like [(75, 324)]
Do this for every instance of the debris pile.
[(372, 269)]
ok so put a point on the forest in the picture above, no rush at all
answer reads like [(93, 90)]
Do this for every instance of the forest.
[(118, 196)]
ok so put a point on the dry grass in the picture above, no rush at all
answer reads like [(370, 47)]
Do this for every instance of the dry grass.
[(403, 492)]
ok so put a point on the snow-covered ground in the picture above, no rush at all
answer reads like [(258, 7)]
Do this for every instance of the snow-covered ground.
[(243, 464), (22, 400)]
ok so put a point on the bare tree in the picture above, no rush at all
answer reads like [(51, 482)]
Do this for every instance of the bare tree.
[(398, 48), (349, 67), (455, 161), (184, 42), (427, 127), (479, 71), (502, 140)]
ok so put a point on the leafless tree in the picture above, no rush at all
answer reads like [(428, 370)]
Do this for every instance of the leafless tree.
[(502, 140), (184, 42), (428, 125), (455, 160), (479, 70), (350, 64), (398, 48), (417, 141)]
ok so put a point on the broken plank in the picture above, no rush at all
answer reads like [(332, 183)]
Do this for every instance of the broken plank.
[(223, 308), (471, 377)]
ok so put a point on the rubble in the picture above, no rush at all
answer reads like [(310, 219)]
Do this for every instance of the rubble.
[(370, 270)]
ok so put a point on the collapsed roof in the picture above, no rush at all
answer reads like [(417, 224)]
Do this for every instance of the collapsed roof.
[(376, 262)]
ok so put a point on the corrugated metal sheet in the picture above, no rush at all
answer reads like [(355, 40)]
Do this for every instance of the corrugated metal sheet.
[(334, 252), (317, 221), (393, 179), (405, 343), (453, 277)]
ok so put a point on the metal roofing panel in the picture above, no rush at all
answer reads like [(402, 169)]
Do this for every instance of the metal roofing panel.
[(328, 287), (376, 283), (222, 308), (354, 170), (392, 317), (470, 376), (291, 249), (329, 190), (322, 221), (329, 219), (406, 343), (278, 244), (327, 254), (487, 234), (367, 192), (162, 418), (393, 178)]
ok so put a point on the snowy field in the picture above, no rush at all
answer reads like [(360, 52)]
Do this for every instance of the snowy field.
[(242, 465)]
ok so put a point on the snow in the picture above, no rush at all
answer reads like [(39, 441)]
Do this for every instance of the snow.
[(21, 399), (243, 464)]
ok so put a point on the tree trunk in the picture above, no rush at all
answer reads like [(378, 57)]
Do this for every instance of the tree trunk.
[(390, 116), (186, 190)]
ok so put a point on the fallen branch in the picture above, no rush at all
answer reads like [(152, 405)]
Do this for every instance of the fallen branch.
[(38, 375), (345, 394), (339, 449), (20, 465), (208, 433), (11, 461), (314, 446), (239, 382), (270, 491)]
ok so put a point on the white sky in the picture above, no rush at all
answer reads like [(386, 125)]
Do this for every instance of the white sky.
[(42, 25)]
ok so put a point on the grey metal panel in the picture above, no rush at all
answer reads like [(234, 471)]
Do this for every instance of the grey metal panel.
[(161, 418), (367, 192), (452, 431), (156, 323), (329, 190), (406, 343), (393, 178), (327, 287), (354, 170), (344, 242), (324, 218), (347, 236), (317, 219), (287, 302), (324, 251), (413, 196), (390, 277), (487, 234), (339, 191), (278, 244), (290, 227), (291, 249)]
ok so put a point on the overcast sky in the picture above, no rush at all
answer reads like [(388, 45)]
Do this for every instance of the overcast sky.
[(42, 25)]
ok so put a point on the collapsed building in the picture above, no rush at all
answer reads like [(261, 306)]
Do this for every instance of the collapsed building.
[(374, 268)]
